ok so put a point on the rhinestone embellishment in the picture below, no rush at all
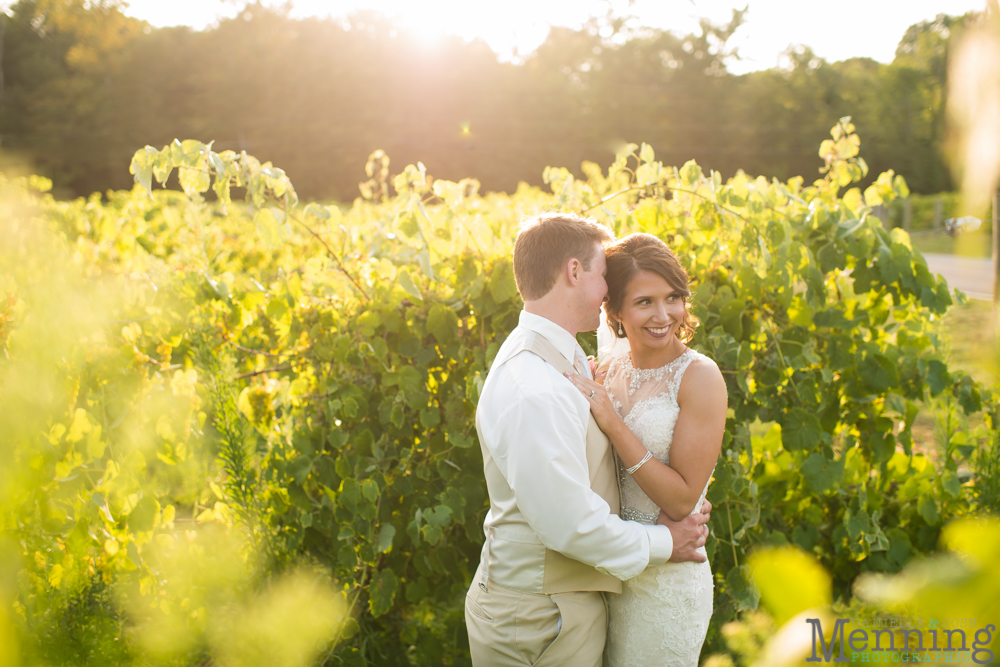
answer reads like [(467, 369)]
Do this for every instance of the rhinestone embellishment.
[(630, 514)]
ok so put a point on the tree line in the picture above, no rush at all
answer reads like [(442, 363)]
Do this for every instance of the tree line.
[(84, 86)]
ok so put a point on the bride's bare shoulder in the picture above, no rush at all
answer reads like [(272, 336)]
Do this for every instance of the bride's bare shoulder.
[(702, 375), (702, 361)]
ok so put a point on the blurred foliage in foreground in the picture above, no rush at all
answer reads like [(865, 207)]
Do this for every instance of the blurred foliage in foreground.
[(243, 433), (950, 599)]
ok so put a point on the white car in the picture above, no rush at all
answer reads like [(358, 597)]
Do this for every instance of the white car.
[(967, 223)]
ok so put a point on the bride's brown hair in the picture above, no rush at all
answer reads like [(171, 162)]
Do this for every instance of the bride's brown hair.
[(645, 252)]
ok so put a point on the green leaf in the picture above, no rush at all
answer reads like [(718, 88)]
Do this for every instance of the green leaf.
[(460, 440), (411, 381), (928, 509), (501, 285), (901, 262), (194, 181), (418, 590), (369, 489), (969, 396), (856, 523), (752, 521), (911, 414), (142, 168), (424, 259), (882, 443), (746, 594), (690, 173), (872, 197), (432, 533), (831, 257), (132, 551), (349, 410), (820, 474), (406, 282), (442, 323), (646, 153), (300, 467), (385, 536), (162, 167), (439, 516), (382, 592), (102, 503), (731, 315), (938, 378), (805, 536), (878, 372), (849, 227), (800, 430), (396, 415), (951, 484), (852, 198), (900, 548), (430, 417)]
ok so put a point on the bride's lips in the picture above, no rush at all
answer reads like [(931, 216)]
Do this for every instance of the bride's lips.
[(657, 332)]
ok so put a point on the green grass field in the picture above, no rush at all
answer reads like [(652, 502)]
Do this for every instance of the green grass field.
[(973, 244), (971, 344)]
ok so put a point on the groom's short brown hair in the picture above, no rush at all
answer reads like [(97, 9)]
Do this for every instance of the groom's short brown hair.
[(546, 242)]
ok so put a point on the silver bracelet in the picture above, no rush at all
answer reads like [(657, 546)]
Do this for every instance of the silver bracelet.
[(638, 465)]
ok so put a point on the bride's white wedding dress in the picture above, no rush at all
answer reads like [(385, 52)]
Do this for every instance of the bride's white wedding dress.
[(662, 615)]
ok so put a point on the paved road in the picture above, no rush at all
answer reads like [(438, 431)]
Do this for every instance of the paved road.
[(972, 276)]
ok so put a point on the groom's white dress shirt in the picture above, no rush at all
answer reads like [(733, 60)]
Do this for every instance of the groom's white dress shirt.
[(534, 421)]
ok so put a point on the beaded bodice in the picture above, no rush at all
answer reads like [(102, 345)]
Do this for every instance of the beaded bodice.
[(646, 400)]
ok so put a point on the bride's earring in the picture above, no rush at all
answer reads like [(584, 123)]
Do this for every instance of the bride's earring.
[(621, 332)]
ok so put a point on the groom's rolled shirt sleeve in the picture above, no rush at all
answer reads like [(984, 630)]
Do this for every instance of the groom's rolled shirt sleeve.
[(549, 476)]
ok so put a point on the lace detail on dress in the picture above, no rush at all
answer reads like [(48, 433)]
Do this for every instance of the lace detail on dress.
[(661, 618), (637, 376)]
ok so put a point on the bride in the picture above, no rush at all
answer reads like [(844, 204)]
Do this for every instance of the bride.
[(663, 406)]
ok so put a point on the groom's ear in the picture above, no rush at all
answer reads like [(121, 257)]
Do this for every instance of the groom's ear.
[(573, 270)]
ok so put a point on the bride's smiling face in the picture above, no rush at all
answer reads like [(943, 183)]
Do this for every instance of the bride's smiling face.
[(652, 311)]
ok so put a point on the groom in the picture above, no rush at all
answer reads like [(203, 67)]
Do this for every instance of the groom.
[(554, 542)]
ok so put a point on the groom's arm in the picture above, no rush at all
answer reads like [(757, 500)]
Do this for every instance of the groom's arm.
[(539, 446)]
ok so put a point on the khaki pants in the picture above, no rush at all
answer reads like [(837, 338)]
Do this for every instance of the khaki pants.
[(508, 628)]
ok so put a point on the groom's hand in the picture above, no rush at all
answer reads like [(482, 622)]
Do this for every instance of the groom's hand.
[(689, 534)]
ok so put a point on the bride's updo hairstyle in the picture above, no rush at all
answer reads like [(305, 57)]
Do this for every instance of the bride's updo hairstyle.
[(645, 252)]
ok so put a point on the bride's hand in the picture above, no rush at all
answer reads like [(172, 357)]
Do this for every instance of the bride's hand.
[(600, 402)]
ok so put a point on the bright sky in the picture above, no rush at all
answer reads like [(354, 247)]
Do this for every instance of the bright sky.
[(834, 30)]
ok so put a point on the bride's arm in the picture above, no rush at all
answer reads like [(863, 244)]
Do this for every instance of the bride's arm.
[(696, 443)]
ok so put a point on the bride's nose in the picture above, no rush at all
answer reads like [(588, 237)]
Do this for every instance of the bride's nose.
[(661, 316)]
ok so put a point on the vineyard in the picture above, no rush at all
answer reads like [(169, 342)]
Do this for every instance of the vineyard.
[(239, 430)]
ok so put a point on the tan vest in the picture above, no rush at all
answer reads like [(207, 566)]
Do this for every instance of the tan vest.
[(563, 574)]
